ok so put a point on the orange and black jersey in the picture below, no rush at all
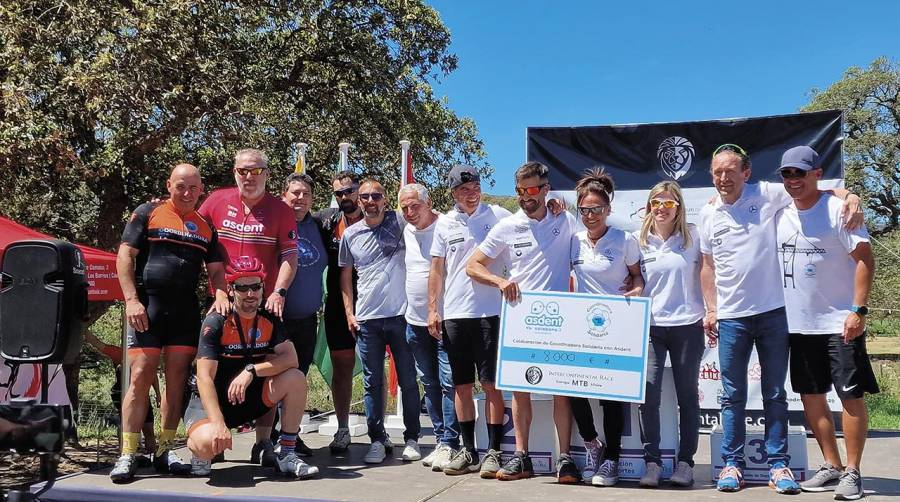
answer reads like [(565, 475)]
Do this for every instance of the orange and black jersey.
[(235, 341), (172, 246)]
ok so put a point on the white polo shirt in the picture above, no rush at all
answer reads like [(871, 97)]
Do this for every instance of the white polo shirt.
[(377, 253), (672, 278), (741, 239), (455, 238), (817, 271), (418, 266), (602, 268), (538, 250)]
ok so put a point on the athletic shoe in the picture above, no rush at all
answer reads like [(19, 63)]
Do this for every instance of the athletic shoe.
[(124, 469), (200, 467), (825, 479), (171, 463), (518, 467), (263, 453), (341, 441), (683, 475), (464, 462), (607, 474), (376, 453), (651, 476), (411, 451), (731, 479), (566, 470), (388, 445), (850, 486), (427, 460), (443, 458), (302, 450), (143, 461), (782, 479), (490, 464), (289, 464), (593, 451)]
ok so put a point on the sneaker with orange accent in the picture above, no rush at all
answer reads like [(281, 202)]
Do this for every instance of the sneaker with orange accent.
[(782, 479), (731, 479)]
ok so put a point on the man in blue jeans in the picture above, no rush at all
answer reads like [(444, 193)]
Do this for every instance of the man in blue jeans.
[(374, 247), (431, 357), (741, 282)]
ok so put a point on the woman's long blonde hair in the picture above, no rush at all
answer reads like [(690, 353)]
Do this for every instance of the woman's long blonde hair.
[(681, 225)]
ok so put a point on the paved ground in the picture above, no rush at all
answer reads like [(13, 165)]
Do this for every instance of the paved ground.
[(347, 478)]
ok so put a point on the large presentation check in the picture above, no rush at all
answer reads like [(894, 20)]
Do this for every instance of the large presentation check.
[(575, 344)]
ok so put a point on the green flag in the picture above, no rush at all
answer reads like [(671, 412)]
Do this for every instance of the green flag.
[(321, 355)]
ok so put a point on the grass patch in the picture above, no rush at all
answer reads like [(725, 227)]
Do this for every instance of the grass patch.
[(884, 407)]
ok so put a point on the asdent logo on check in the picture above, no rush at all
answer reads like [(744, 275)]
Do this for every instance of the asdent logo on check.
[(544, 315)]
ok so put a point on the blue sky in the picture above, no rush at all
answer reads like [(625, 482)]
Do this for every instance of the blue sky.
[(568, 63)]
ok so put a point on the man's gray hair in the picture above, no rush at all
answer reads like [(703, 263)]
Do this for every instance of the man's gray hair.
[(420, 190), (252, 152)]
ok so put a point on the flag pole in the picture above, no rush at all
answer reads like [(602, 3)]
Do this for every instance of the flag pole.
[(300, 168), (404, 162), (344, 149)]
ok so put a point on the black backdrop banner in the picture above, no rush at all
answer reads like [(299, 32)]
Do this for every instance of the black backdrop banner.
[(640, 155)]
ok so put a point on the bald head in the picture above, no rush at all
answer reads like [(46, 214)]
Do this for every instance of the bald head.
[(185, 186)]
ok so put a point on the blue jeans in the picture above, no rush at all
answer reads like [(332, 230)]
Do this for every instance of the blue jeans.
[(769, 332), (434, 369), (374, 336), (684, 344)]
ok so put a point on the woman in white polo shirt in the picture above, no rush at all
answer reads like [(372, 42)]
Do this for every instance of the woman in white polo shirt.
[(670, 263), (602, 258)]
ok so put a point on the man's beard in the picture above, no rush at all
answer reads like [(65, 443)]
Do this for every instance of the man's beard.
[(348, 206)]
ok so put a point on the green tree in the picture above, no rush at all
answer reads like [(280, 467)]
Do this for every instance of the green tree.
[(870, 100), (99, 98)]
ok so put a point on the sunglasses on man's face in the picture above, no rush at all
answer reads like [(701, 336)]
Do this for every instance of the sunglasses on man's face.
[(532, 191), (244, 171), (584, 210), (344, 192), (665, 203), (243, 288), (731, 147), (375, 196), (789, 173)]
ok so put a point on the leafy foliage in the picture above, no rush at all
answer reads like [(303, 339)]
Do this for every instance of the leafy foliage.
[(100, 98), (870, 100)]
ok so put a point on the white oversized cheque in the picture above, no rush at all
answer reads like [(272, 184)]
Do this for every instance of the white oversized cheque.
[(575, 344)]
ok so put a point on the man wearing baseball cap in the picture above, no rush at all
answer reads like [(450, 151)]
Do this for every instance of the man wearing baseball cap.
[(470, 321), (245, 367), (826, 319)]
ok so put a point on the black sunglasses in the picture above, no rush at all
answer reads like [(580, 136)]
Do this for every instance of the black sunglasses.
[(375, 196), (344, 192), (243, 288), (790, 173), (731, 147), (592, 210)]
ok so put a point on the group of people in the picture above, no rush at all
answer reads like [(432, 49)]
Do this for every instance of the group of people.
[(429, 286)]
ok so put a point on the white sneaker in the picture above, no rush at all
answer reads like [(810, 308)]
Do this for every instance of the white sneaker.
[(290, 464), (443, 455), (200, 467), (375, 455), (429, 459), (411, 452)]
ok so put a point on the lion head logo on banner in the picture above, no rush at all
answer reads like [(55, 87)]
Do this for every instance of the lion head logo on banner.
[(675, 155)]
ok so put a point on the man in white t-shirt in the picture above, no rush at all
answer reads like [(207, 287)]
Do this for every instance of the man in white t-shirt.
[(826, 318), (745, 306), (430, 355), (374, 247), (537, 243), (466, 314)]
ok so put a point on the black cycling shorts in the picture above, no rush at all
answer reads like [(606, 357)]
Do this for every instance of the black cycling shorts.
[(471, 346)]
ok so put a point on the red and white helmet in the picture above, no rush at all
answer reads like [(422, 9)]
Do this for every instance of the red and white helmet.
[(245, 266)]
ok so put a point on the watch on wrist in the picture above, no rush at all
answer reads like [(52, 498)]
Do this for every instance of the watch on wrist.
[(281, 292), (250, 368), (860, 310)]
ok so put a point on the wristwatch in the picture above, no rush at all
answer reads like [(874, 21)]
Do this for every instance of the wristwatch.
[(860, 310), (282, 292), (251, 368)]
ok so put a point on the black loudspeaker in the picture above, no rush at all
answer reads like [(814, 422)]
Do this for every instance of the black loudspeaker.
[(43, 299)]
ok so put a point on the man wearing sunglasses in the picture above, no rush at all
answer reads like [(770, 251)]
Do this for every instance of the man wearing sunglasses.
[(164, 247), (375, 249), (245, 367), (537, 243), (251, 222), (341, 343), (740, 281), (820, 258)]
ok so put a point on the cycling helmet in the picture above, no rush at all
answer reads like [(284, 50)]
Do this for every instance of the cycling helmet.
[(245, 266)]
